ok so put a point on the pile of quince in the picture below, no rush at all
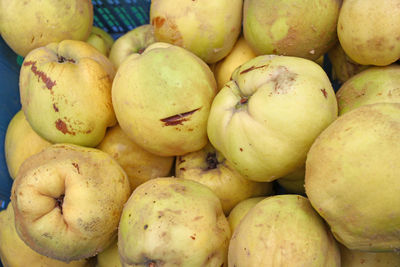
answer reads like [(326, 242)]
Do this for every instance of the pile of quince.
[(211, 136)]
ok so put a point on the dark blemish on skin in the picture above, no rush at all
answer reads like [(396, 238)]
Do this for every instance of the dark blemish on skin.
[(324, 92), (59, 202), (55, 108), (181, 160), (158, 22), (193, 237), (178, 118), (40, 74), (145, 226), (141, 50), (241, 149), (252, 68), (62, 59), (243, 100), (211, 160), (182, 169), (197, 218), (76, 166), (62, 127)]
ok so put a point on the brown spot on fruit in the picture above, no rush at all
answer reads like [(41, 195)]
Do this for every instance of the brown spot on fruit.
[(76, 166), (178, 118), (211, 160), (59, 202), (158, 22), (241, 149), (55, 108), (243, 100), (62, 59), (197, 218), (62, 127), (181, 189), (193, 237), (40, 74), (145, 226), (182, 169), (167, 31), (324, 92), (283, 80), (253, 68)]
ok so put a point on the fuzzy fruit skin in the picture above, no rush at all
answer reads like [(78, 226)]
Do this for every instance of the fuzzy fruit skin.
[(343, 68), (101, 40), (352, 176), (266, 118), (15, 253), (188, 24), (240, 210), (68, 200), (26, 25), (130, 43), (21, 142), (294, 182), (283, 230), (220, 176), (173, 222), (354, 258), (369, 31), (65, 91), (161, 105), (139, 164), (293, 28), (240, 53), (374, 85), (109, 257)]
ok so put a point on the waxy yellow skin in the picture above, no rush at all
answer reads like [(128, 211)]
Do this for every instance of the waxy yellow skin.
[(68, 200), (240, 210), (65, 91), (352, 177), (101, 40), (26, 25), (301, 28), (208, 28), (374, 85), (162, 99), (240, 53), (109, 257), (14, 252), (355, 258), (266, 118), (134, 41), (207, 166), (294, 182), (171, 222), (343, 68), (283, 230), (21, 142), (139, 164), (369, 31)]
